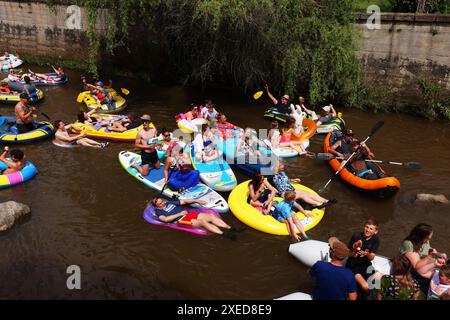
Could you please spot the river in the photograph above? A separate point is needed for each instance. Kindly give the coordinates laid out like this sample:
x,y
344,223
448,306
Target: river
x,y
87,211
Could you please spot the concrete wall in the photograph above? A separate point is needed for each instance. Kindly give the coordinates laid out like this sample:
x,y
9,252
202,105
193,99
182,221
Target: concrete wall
x,y
34,28
405,48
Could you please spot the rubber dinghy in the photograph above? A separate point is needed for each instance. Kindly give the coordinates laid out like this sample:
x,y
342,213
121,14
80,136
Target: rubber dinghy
x,y
311,251
12,179
254,218
54,79
91,102
100,131
216,174
382,188
334,124
155,180
10,134
150,217
11,96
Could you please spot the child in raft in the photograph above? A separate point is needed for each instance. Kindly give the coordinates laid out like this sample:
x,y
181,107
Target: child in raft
x,y
283,213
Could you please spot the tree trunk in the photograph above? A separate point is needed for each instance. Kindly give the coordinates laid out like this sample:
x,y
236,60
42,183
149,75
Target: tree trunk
x,y
421,6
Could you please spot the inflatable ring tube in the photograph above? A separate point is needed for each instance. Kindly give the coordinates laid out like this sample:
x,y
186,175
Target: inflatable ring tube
x,y
150,217
12,179
382,188
266,223
312,127
190,126
10,135
91,103
42,82
13,98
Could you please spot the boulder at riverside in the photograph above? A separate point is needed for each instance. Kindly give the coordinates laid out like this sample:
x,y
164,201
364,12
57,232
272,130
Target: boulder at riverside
x,y
10,212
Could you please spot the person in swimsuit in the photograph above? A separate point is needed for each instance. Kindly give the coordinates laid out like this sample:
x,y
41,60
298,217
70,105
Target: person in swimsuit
x,y
124,124
60,75
261,193
24,114
191,112
63,137
343,147
170,211
328,114
18,160
310,113
149,154
282,105
210,113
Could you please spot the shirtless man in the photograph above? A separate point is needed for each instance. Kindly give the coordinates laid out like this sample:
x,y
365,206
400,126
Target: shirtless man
x,y
24,114
63,137
17,163
149,154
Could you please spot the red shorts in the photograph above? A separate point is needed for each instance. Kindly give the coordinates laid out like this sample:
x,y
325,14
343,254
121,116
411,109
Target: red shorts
x,y
188,217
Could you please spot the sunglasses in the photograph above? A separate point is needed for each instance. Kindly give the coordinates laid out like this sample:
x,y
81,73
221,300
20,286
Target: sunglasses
x,y
167,135
146,121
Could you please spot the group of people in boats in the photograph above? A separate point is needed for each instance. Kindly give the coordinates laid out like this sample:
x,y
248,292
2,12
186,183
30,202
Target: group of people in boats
x,y
261,193
418,271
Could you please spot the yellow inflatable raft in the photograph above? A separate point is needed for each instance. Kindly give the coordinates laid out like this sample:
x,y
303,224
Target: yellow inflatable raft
x,y
101,132
91,102
266,223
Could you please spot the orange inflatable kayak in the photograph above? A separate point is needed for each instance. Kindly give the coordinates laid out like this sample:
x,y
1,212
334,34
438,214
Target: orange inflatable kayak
x,y
383,187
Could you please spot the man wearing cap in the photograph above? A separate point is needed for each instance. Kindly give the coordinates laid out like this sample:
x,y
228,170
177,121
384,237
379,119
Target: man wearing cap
x,y
343,146
333,280
282,105
328,113
149,154
24,114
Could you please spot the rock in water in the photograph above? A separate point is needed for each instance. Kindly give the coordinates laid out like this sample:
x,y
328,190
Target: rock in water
x,y
10,212
435,198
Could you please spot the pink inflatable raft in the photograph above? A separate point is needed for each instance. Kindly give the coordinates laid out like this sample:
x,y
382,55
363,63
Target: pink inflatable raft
x,y
150,216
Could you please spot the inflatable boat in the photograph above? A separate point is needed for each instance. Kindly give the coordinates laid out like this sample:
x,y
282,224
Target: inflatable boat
x,y
9,133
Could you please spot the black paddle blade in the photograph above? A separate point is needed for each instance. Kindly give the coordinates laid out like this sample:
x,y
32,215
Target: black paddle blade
x,y
376,127
413,165
45,115
325,156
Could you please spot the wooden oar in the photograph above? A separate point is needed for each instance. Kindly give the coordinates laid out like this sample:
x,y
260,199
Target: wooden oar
x,y
375,128
411,165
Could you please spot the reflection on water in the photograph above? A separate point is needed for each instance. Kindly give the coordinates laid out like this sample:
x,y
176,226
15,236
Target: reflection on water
x,y
86,210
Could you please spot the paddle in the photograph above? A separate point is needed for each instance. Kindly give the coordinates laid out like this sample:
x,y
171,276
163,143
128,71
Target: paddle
x,y
410,165
257,95
125,91
45,115
375,128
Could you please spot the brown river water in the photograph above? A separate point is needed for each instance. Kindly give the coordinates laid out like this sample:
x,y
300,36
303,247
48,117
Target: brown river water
x,y
87,211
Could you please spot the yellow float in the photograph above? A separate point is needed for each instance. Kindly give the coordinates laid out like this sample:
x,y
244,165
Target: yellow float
x,y
91,102
94,132
266,223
